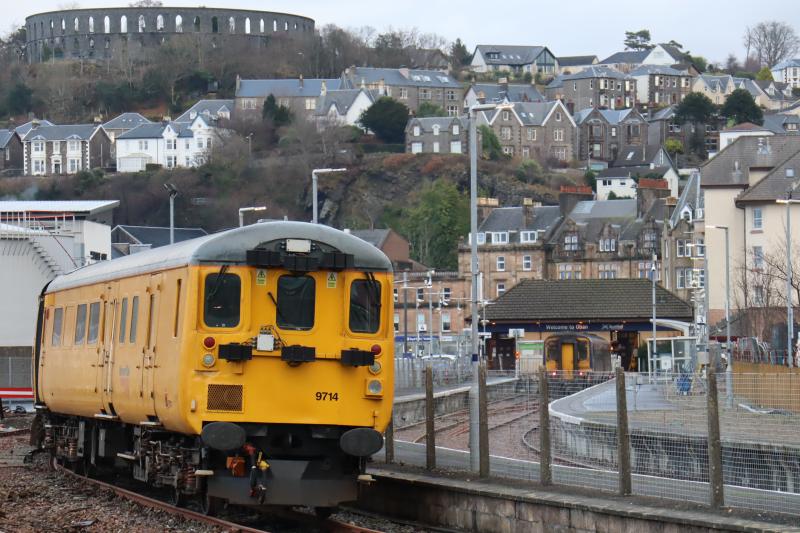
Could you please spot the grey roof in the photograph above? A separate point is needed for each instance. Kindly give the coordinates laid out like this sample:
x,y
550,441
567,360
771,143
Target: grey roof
x,y
427,123
88,207
657,212
774,185
341,99
125,121
355,76
629,57
591,216
717,83
777,123
286,88
576,61
586,299
612,116
644,70
81,132
210,109
531,113
731,167
5,136
627,172
23,129
689,198
513,219
427,58
676,53
597,71
225,247
641,155
496,92
159,236
795,62
155,130
666,113
510,55
376,237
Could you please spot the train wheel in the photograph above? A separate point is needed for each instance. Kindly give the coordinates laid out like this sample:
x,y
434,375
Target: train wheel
x,y
209,505
176,497
324,513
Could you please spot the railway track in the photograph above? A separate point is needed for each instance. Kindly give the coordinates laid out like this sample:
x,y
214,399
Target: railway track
x,y
299,518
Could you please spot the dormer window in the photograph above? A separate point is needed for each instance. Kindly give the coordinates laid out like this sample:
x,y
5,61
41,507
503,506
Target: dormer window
x,y
416,131
456,129
558,116
506,115
571,242
436,129
500,237
527,236
607,245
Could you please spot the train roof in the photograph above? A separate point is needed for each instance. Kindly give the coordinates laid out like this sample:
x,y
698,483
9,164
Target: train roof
x,y
225,247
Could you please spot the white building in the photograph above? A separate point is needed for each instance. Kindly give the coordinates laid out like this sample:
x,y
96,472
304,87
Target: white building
x,y
38,241
746,129
171,144
787,72
343,107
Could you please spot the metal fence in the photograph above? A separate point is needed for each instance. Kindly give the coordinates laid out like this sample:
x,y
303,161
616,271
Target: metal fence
x,y
449,371
730,440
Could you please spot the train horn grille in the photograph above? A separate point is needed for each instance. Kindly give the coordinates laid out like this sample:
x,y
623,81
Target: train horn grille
x,y
224,398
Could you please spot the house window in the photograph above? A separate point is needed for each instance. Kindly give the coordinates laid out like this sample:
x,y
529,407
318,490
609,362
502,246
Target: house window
x,y
420,294
607,271
403,93
499,237
421,324
758,257
558,116
172,144
455,147
645,270
527,236
424,94
74,165
501,289
531,134
758,220
452,111
680,248
501,263
142,145
446,325
571,242
505,133
38,146
73,146
567,271
508,150
446,293
608,245
613,131
680,277
451,95
758,295
38,166
416,131
395,294
456,129
436,147
481,238
171,161
396,322
200,143
526,152
558,135
436,129
527,263
311,103
506,114
700,247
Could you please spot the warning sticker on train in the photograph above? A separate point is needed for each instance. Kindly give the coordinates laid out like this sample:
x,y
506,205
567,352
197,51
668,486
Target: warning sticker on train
x,y
261,277
332,280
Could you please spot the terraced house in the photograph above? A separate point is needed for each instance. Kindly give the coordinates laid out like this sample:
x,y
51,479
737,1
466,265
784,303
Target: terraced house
x,y
595,86
660,85
437,135
411,87
516,59
534,130
298,94
56,150
603,132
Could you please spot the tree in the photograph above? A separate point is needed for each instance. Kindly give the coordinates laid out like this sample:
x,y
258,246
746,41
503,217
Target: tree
x,y
19,99
732,65
279,115
772,41
695,107
673,147
146,3
638,40
698,61
490,144
386,118
675,44
741,107
459,55
765,74
428,109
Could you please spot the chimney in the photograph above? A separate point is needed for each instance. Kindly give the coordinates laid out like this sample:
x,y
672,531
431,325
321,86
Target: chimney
x,y
323,89
671,202
485,207
527,212
301,81
569,196
34,124
648,191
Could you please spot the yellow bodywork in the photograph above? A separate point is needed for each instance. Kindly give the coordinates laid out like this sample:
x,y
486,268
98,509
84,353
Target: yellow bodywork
x,y
162,377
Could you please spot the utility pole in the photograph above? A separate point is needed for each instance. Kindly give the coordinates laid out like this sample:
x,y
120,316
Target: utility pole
x,y
429,284
653,275
173,192
405,313
789,300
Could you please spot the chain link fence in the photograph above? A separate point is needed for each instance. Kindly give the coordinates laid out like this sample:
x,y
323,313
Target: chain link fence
x,y
752,459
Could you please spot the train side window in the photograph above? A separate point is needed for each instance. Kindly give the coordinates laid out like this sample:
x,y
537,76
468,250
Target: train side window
x,y
80,324
583,349
151,312
123,319
177,308
222,300
296,299
94,323
58,322
134,318
365,306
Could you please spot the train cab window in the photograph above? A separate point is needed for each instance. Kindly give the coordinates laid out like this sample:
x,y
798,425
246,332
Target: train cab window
x,y
296,299
58,322
80,324
222,300
123,320
582,349
134,318
94,323
365,306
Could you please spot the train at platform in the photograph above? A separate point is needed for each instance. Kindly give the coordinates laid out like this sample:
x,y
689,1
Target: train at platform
x,y
252,366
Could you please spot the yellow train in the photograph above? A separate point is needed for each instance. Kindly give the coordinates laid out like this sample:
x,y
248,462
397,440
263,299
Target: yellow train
x,y
252,366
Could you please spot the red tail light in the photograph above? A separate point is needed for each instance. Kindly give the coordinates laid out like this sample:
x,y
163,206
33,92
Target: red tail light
x,y
376,349
209,342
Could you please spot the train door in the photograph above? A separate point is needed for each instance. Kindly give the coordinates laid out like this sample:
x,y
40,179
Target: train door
x,y
149,352
505,351
567,356
109,341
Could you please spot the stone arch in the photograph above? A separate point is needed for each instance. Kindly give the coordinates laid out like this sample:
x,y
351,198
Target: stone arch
x,y
142,24
178,24
247,25
91,24
214,25
52,27
76,45
274,24
295,26
261,26
106,24
123,24
41,30
285,25
160,22
108,43
231,25
77,24
91,43
63,25
197,23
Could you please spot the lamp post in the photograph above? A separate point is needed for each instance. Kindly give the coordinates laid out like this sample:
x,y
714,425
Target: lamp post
x,y
728,351
653,277
314,173
243,210
173,192
250,146
789,304
429,286
474,425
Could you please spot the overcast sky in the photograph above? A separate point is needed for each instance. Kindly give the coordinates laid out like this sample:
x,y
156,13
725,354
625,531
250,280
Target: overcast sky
x,y
712,28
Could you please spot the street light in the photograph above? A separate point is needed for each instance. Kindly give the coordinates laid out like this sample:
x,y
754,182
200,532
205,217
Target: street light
x,y
653,277
314,207
250,146
728,352
243,210
173,192
474,425
789,309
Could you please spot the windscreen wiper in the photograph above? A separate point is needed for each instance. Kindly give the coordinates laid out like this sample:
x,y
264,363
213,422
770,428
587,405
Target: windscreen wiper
x,y
217,283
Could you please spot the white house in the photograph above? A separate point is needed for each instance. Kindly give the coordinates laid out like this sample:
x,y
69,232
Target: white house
x,y
171,144
623,181
787,72
746,129
343,107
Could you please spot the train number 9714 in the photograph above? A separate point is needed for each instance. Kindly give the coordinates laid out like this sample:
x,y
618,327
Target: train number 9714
x,y
327,396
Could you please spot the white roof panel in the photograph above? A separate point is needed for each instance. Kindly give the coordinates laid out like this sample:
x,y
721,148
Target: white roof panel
x,y
58,206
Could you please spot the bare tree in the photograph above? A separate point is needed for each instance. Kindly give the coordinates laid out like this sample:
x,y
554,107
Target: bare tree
x,y
772,41
732,65
146,3
759,296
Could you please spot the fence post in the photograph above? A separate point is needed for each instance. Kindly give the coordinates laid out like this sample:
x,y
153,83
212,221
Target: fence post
x,y
623,436
389,441
483,423
545,459
714,444
430,437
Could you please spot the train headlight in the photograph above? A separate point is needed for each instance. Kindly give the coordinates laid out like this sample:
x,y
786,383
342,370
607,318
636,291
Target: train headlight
x,y
375,368
374,387
209,360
